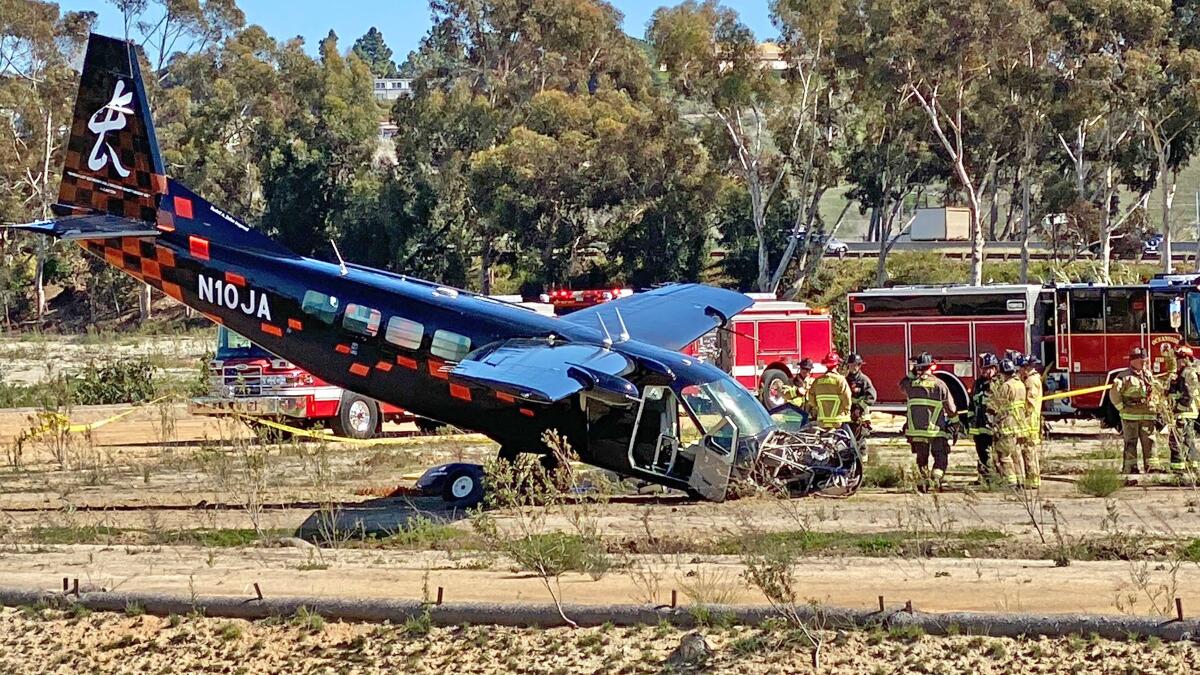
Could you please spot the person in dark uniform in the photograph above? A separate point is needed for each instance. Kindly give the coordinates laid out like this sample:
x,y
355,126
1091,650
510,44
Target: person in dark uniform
x,y
978,425
930,408
862,397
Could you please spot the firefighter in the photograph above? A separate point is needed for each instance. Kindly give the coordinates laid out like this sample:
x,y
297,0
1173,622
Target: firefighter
x,y
930,408
1006,406
1134,396
1031,441
862,397
829,396
797,392
978,425
1183,392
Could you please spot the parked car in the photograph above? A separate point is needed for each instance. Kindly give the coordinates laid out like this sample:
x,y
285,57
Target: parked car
x,y
833,245
1151,244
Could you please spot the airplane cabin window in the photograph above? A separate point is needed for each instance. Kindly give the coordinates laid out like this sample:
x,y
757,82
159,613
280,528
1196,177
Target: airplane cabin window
x,y
404,333
361,320
320,305
449,346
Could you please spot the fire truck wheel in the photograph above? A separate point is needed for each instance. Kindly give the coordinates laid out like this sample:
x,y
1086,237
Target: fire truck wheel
x,y
776,379
357,417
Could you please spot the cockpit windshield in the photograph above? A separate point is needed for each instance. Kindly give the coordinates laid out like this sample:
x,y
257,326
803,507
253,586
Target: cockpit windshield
x,y
725,397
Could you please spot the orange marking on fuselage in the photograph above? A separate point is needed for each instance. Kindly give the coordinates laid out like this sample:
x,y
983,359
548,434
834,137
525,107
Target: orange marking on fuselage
x,y
384,366
235,279
359,369
435,369
198,247
342,349
295,324
271,329
406,362
460,392
507,398
183,207
165,256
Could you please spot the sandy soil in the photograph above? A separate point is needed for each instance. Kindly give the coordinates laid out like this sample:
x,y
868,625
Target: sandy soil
x,y
937,584
51,641
163,471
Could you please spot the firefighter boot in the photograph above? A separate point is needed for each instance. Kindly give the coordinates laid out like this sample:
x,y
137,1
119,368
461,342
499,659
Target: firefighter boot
x,y
938,476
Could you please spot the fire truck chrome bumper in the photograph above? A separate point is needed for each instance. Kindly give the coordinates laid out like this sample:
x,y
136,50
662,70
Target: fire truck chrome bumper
x,y
288,406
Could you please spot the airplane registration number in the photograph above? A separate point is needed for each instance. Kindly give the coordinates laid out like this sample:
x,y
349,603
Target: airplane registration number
x,y
248,301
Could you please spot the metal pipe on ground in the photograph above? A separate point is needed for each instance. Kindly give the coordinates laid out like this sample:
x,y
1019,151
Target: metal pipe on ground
x,y
1117,627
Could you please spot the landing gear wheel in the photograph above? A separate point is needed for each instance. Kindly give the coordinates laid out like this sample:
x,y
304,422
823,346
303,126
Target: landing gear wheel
x,y
358,417
773,382
463,489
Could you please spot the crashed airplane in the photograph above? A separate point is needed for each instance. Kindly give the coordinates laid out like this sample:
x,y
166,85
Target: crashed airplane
x,y
609,378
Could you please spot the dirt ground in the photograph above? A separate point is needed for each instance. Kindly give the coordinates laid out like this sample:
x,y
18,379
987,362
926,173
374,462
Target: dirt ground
x,y
105,508
62,642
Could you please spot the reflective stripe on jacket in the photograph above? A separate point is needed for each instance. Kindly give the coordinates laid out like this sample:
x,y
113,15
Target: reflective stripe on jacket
x,y
929,406
829,399
1007,406
1132,394
1033,405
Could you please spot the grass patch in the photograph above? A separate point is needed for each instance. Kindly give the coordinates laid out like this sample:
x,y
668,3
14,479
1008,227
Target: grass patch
x,y
229,632
1191,552
103,534
1100,481
423,534
884,476
308,620
874,544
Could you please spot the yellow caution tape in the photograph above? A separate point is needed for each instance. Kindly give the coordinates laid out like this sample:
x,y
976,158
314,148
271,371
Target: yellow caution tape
x,y
56,422
1075,392
92,426
329,436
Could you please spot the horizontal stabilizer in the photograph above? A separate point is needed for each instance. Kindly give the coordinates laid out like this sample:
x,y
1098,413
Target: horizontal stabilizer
x,y
545,372
90,226
670,317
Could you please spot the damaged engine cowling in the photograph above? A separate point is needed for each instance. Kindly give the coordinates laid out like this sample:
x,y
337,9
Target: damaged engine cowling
x,y
809,461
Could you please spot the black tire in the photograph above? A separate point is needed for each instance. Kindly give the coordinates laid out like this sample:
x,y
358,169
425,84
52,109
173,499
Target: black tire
x,y
463,489
769,376
357,417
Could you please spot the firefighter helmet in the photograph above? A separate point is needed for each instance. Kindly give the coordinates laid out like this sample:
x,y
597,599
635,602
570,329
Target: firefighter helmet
x,y
1007,366
1137,354
805,364
988,360
854,359
924,361
831,360
1032,361
1185,350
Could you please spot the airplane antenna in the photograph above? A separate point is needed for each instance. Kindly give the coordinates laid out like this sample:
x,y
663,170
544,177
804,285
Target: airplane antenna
x,y
341,263
621,320
608,341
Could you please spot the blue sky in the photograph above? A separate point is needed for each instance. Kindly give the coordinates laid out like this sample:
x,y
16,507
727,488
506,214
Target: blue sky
x,y
403,22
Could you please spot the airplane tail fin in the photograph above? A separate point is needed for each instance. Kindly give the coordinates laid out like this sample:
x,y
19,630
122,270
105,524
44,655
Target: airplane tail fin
x,y
113,165
114,183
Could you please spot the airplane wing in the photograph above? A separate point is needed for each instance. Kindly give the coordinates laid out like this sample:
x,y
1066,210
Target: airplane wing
x,y
543,371
90,226
670,317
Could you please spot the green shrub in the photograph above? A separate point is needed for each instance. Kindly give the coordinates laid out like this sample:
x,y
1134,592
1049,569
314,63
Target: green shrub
x,y
1100,481
125,381
883,476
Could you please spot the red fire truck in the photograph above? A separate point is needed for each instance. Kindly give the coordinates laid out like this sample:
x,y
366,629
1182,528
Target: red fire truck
x,y
246,379
1082,332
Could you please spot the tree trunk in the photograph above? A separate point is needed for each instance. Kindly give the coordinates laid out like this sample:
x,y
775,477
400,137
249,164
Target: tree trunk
x,y
1026,171
1106,227
759,215
485,267
976,240
1167,184
144,302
